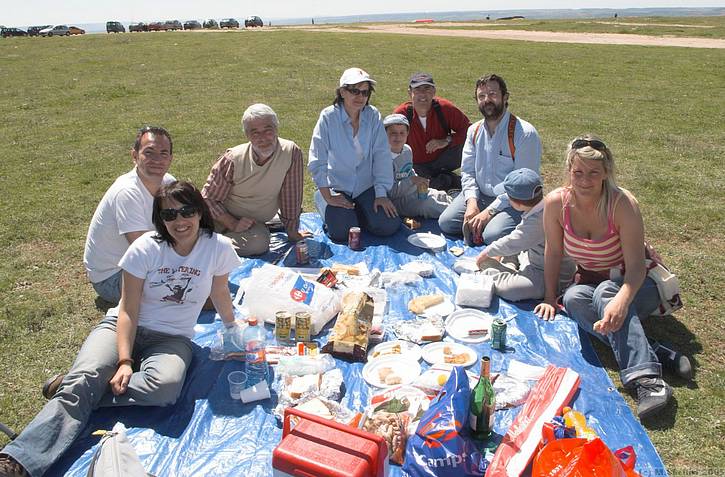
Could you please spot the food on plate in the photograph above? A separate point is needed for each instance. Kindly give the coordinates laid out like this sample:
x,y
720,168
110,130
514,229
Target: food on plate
x,y
431,333
456,251
395,349
418,304
316,407
349,269
451,357
349,336
298,385
388,376
391,427
478,332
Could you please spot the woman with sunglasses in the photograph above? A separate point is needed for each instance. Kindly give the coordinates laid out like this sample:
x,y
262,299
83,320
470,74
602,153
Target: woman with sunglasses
x,y
599,226
138,355
351,164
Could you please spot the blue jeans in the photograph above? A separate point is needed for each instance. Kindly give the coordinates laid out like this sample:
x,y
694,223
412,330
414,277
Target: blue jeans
x,y
338,220
163,360
110,288
585,304
451,220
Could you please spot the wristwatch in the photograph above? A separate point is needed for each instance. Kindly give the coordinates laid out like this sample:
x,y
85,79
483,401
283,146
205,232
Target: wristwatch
x,y
449,139
492,212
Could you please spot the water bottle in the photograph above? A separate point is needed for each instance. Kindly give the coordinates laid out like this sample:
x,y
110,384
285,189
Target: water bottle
x,y
254,342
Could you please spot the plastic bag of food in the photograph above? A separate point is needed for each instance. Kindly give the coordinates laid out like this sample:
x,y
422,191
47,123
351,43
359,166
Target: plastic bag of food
x,y
272,288
474,289
301,365
349,336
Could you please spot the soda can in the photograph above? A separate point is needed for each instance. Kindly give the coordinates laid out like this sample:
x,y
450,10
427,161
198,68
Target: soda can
x,y
303,321
353,238
422,191
301,252
282,326
498,334
327,278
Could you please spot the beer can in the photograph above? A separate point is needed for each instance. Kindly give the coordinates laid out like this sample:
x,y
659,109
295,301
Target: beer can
x,y
303,321
327,278
353,238
282,326
301,252
498,334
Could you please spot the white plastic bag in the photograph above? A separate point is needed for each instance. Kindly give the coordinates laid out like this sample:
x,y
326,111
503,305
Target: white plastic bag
x,y
272,289
116,456
474,289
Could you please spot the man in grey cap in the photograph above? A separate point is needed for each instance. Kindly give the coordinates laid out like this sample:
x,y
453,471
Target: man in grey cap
x,y
437,132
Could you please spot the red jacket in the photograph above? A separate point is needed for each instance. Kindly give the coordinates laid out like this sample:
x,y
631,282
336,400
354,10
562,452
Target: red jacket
x,y
418,138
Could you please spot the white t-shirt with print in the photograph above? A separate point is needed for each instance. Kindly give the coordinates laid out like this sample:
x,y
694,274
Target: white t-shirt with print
x,y
127,206
175,288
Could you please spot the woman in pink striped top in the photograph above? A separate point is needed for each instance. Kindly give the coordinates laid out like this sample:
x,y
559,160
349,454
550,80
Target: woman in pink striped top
x,y
599,225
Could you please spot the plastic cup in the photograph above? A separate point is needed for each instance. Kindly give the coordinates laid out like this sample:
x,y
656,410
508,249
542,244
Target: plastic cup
x,y
257,392
237,383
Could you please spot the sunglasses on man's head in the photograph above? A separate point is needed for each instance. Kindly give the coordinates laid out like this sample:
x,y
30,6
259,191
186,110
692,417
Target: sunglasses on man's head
x,y
357,91
593,143
169,215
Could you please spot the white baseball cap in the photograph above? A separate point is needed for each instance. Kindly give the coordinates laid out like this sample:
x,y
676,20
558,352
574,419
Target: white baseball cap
x,y
355,76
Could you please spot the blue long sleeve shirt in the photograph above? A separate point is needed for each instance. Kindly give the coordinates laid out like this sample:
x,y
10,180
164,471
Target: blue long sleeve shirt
x,y
336,161
486,159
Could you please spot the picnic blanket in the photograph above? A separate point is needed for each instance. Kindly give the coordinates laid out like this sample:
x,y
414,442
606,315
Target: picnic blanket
x,y
206,433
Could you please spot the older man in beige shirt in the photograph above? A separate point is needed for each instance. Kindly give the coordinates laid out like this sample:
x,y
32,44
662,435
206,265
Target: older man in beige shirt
x,y
252,182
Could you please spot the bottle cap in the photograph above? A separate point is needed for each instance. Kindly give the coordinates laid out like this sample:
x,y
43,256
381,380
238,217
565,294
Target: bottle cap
x,y
252,321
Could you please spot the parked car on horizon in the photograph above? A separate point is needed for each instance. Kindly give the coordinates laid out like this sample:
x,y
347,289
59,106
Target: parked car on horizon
x,y
35,30
115,27
229,23
6,32
253,21
173,25
140,26
74,30
58,30
211,23
156,26
192,25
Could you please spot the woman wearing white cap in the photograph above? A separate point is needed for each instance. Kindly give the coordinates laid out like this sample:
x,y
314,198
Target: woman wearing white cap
x,y
351,164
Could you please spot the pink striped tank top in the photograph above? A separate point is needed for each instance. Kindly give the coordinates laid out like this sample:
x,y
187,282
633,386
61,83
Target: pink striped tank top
x,y
594,255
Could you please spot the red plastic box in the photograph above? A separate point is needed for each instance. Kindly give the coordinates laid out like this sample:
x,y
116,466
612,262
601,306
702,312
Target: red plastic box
x,y
318,447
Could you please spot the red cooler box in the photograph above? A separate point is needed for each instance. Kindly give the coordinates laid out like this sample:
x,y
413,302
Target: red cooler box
x,y
318,447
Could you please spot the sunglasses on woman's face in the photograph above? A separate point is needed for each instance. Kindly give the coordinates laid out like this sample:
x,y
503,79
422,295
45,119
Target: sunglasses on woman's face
x,y
357,91
593,143
169,215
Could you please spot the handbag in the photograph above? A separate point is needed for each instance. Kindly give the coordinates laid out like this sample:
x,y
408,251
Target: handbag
x,y
668,286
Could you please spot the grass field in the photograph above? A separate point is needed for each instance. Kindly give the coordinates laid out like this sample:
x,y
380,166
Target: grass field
x,y
701,27
71,107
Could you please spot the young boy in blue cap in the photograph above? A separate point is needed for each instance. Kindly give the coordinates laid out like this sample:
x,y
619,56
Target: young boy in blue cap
x,y
525,193
404,193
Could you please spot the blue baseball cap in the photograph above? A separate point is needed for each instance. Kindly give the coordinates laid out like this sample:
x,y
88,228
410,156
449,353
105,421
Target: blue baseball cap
x,y
522,184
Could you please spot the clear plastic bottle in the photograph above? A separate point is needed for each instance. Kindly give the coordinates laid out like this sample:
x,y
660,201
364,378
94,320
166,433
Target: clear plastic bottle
x,y
255,337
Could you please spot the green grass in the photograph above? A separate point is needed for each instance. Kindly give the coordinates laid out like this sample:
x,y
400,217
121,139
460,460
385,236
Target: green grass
x,y
702,27
71,107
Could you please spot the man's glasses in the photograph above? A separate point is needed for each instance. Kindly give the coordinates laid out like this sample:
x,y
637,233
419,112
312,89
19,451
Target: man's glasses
x,y
593,143
169,215
358,92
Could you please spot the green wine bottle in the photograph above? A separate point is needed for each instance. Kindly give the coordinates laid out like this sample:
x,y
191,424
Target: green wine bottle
x,y
480,417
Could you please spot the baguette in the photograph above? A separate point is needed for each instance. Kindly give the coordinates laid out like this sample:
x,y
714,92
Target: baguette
x,y
419,304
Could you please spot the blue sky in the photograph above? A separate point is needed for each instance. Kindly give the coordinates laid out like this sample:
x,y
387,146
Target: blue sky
x,y
91,11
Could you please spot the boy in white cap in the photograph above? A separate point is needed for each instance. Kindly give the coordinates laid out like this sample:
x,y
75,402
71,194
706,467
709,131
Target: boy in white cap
x,y
524,192
410,193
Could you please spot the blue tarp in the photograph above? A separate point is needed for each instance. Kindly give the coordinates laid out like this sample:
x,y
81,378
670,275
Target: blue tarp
x,y
207,434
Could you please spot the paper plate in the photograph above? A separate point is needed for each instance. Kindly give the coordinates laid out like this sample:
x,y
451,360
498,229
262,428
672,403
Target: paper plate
x,y
461,321
398,348
437,353
406,368
436,377
427,240
441,309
